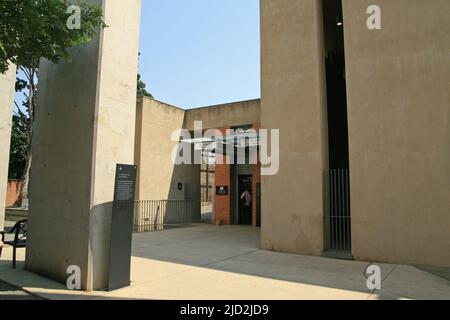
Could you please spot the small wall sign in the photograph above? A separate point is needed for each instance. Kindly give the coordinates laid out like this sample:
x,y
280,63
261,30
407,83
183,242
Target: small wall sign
x,y
222,190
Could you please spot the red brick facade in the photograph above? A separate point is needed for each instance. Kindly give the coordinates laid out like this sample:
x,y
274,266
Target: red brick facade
x,y
223,204
13,192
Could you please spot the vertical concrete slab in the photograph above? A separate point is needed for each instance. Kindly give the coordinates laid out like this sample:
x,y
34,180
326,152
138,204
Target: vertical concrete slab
x,y
294,101
158,175
85,124
399,127
7,84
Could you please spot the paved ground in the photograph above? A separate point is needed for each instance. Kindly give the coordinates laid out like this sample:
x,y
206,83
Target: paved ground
x,y
225,262
9,292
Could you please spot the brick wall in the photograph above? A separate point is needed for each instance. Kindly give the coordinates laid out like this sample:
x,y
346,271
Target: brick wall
x,y
222,205
13,191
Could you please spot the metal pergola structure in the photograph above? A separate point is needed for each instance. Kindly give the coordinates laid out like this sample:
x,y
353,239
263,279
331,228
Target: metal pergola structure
x,y
210,146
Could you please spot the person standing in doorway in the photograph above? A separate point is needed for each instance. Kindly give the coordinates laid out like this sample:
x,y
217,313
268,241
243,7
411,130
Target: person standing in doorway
x,y
246,199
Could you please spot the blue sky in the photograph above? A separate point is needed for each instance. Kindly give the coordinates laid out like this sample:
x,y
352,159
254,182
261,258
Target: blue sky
x,y
200,52
197,53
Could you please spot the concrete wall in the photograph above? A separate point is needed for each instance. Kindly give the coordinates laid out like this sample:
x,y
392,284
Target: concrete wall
x,y
158,176
155,122
7,83
398,81
293,100
225,115
84,126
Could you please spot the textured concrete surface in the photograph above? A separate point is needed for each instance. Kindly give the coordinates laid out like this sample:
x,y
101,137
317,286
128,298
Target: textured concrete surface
x,y
234,114
210,262
158,177
84,126
398,111
398,114
293,100
7,82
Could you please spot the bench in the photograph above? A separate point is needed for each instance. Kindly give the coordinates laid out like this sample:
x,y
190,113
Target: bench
x,y
19,232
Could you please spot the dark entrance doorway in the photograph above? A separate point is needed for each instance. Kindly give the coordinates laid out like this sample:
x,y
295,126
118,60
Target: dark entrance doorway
x,y
245,183
337,221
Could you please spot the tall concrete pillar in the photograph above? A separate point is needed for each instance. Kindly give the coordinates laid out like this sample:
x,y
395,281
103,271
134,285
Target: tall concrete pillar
x,y
84,126
7,83
294,101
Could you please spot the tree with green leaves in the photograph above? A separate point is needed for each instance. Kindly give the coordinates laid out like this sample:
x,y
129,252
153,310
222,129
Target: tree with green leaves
x,y
35,29
141,91
19,148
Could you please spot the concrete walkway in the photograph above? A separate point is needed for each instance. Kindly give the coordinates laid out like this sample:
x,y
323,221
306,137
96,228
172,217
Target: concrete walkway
x,y
9,292
210,262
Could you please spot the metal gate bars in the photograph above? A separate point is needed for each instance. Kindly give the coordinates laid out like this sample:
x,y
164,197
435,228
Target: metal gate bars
x,y
337,221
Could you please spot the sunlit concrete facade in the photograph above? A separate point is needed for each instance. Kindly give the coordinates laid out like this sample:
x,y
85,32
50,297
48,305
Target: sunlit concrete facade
x,y
398,101
293,101
398,120
158,177
84,126
7,85
397,95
